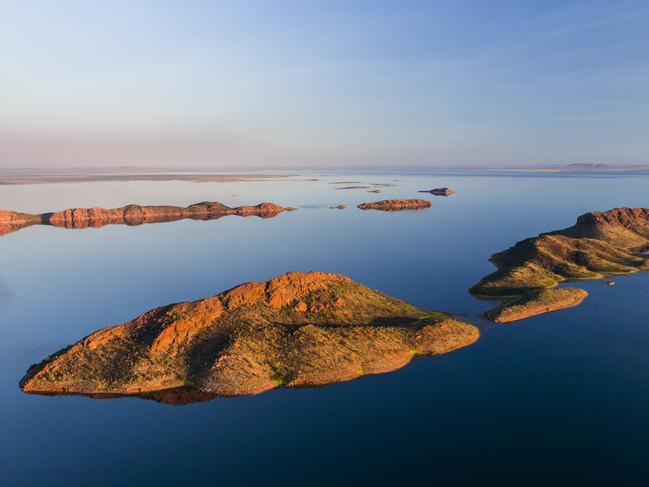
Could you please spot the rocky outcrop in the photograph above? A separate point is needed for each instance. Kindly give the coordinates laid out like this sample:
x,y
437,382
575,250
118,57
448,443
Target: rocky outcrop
x,y
536,303
396,205
298,329
338,207
10,221
600,244
133,215
439,191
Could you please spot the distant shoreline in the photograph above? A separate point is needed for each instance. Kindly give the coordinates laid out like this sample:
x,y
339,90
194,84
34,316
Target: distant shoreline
x,y
66,176
19,176
571,169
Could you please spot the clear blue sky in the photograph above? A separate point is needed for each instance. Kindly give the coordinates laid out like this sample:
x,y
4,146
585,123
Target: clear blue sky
x,y
323,83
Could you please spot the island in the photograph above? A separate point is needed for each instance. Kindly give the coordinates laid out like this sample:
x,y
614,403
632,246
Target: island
x,y
439,191
396,205
11,221
599,245
296,330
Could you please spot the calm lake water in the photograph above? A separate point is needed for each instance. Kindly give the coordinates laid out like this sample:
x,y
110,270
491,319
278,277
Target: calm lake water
x,y
557,399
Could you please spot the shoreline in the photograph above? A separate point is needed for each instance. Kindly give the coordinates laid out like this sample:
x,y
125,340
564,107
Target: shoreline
x,y
13,178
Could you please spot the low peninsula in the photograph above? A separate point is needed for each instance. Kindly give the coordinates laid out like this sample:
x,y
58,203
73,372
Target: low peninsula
x,y
11,221
297,330
599,245
396,205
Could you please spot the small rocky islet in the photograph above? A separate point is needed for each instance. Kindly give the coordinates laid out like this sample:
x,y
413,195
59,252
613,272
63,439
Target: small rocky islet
x,y
396,205
599,245
11,221
439,191
300,329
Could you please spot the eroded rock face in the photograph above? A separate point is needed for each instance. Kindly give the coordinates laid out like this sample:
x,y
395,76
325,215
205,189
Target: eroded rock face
x,y
298,329
396,205
600,244
132,215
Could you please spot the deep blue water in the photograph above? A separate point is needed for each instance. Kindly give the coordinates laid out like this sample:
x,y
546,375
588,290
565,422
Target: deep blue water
x,y
557,399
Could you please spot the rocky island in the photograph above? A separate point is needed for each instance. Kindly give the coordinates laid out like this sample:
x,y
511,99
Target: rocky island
x,y
439,191
599,245
296,330
132,215
396,205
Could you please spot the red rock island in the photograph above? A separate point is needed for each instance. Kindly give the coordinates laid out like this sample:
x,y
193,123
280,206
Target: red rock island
x,y
132,215
295,330
396,205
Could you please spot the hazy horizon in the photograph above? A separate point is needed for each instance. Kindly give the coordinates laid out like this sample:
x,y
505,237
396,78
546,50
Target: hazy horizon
x,y
242,85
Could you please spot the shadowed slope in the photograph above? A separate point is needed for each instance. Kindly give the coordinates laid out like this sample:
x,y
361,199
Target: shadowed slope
x,y
298,329
600,244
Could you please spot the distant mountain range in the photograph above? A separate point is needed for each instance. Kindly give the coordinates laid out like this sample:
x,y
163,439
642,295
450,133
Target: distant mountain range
x,y
581,167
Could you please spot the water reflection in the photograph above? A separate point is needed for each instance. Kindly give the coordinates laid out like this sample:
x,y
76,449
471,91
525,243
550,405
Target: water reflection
x,y
175,396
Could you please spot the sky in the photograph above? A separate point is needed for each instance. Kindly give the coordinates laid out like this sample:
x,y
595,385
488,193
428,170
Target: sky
x,y
311,83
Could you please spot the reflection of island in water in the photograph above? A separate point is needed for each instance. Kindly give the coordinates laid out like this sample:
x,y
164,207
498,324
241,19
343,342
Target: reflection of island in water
x,y
173,396
296,330
600,244
10,221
